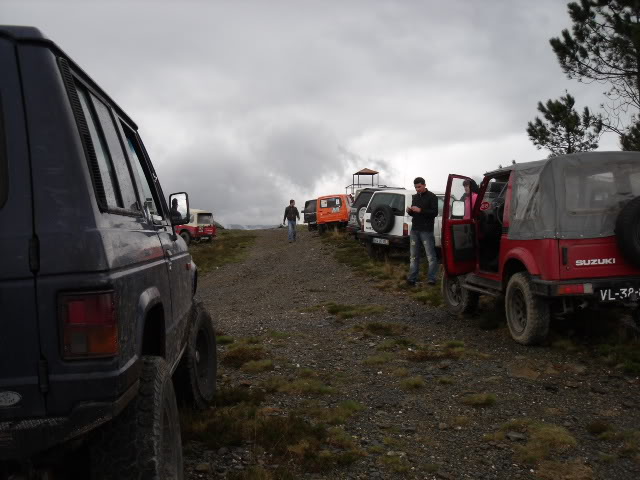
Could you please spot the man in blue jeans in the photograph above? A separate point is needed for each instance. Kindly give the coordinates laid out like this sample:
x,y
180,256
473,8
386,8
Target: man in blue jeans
x,y
290,214
423,211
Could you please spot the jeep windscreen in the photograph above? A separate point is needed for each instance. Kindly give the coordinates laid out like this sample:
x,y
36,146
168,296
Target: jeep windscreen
x,y
310,206
205,219
362,200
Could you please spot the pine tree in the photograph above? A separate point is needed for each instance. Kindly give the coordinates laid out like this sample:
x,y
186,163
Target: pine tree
x,y
630,139
604,47
563,129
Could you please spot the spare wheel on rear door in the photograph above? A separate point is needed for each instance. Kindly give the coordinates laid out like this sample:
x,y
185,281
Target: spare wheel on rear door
x,y
628,231
382,218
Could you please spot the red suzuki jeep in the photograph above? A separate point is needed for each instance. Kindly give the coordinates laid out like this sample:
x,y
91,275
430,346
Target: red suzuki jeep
x,y
552,236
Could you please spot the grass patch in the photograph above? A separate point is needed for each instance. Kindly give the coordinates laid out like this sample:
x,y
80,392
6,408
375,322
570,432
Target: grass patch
x,y
378,359
400,372
257,366
242,354
413,383
278,335
224,340
306,386
336,415
350,311
446,380
385,329
230,246
480,400
544,439
627,355
398,464
574,470
431,296
460,421
598,427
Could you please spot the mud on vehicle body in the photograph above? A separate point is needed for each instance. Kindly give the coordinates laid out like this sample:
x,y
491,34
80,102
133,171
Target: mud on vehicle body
x,y
96,289
562,234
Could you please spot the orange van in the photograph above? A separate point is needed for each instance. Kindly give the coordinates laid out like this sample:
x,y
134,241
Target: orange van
x,y
333,211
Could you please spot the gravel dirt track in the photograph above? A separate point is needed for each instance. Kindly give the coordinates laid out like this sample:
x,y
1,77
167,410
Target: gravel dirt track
x,y
431,431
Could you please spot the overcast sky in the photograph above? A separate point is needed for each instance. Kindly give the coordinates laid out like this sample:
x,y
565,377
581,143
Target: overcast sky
x,y
246,104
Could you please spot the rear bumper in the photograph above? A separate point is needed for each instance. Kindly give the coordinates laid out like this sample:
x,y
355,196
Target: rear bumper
x,y
601,289
394,241
24,438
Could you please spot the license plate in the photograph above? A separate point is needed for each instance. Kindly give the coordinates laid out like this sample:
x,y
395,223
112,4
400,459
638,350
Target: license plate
x,y
624,293
381,241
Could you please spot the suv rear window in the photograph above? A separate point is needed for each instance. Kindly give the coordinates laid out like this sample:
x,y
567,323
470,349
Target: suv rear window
x,y
205,218
394,200
310,206
4,170
330,202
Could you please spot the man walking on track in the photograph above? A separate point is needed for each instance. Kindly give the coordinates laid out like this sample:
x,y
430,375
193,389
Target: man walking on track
x,y
290,214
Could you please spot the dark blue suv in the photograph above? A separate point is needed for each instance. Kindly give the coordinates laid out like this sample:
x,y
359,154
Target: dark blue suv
x,y
97,314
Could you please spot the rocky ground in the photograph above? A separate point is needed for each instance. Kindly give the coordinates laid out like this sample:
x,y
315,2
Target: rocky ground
x,y
404,390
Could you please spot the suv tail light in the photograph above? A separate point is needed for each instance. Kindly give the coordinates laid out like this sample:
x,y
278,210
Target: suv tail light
x,y
575,289
89,325
405,229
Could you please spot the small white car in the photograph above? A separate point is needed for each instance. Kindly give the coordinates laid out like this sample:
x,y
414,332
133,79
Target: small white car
x,y
387,224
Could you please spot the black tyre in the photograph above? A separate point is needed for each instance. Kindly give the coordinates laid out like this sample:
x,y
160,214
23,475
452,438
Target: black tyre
x,y
527,315
195,379
458,299
382,218
143,442
186,236
628,231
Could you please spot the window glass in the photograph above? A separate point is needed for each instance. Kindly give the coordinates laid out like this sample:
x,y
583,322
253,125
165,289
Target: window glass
x,y
205,219
107,172
4,167
145,186
115,147
379,199
362,199
440,206
330,202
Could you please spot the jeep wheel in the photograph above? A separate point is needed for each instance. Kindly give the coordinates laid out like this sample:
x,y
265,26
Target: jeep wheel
x,y
144,440
195,379
186,236
527,314
628,231
458,299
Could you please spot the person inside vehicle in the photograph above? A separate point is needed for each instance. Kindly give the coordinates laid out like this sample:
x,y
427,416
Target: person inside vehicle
x,y
423,211
176,216
469,197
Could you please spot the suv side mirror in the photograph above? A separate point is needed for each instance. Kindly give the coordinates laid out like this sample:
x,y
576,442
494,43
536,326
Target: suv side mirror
x,y
457,210
179,208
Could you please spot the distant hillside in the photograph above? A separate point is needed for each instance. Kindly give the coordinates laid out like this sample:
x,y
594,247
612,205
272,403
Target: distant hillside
x,y
251,227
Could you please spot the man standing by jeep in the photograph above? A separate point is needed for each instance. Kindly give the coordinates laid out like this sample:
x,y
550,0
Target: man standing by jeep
x,y
423,210
290,214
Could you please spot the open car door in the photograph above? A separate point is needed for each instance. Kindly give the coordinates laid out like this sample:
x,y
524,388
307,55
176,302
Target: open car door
x,y
459,242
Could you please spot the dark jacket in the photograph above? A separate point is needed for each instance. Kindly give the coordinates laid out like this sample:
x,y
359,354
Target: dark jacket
x,y
428,203
290,213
